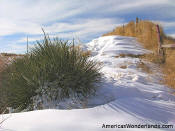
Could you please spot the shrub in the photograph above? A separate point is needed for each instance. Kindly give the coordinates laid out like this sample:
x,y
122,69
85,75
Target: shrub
x,y
53,70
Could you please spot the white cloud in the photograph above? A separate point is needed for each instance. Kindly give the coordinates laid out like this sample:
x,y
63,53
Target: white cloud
x,y
30,39
80,28
13,48
39,11
29,16
128,5
89,25
167,24
8,28
69,18
172,35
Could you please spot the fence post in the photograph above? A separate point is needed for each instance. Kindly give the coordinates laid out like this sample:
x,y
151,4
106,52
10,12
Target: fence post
x,y
123,29
160,48
27,45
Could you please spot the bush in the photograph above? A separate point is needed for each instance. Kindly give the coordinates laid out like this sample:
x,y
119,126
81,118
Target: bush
x,y
52,71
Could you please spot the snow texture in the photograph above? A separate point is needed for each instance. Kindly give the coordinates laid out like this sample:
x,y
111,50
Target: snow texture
x,y
125,96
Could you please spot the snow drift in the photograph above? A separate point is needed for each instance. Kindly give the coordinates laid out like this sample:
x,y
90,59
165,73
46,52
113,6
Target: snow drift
x,y
125,95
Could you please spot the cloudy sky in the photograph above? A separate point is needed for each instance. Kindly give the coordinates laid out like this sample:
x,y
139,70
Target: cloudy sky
x,y
79,19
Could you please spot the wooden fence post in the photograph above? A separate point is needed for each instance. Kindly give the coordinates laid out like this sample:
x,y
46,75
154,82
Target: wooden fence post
x,y
160,48
27,45
159,39
123,29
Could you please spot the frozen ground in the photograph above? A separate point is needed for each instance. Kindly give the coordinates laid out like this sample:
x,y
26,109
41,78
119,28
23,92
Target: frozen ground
x,y
125,96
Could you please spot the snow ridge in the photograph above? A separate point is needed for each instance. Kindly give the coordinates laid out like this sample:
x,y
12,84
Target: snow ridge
x,y
125,95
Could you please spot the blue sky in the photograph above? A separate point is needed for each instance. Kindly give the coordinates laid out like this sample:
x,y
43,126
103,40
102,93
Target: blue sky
x,y
79,19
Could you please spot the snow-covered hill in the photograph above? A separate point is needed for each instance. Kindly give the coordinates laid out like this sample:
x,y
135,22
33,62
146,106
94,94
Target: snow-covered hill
x,y
126,95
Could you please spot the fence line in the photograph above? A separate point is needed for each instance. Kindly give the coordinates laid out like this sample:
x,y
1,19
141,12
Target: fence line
x,y
161,45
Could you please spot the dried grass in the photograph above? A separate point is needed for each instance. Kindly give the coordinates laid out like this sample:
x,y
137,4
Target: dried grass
x,y
123,66
144,67
146,34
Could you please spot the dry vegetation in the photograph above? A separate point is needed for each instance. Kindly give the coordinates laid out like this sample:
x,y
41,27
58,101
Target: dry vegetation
x,y
11,54
144,67
1,63
145,32
52,71
129,55
123,66
5,58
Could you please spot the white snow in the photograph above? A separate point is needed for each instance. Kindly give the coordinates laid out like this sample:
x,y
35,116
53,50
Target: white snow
x,y
125,96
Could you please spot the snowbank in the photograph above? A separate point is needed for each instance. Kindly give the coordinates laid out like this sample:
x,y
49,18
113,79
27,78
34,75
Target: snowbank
x,y
125,96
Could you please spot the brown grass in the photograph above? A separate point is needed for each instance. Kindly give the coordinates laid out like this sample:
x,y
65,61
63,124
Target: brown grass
x,y
84,53
146,34
1,63
4,60
145,68
123,66
128,55
11,54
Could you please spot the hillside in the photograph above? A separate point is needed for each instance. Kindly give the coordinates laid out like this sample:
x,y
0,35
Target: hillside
x,y
146,33
128,94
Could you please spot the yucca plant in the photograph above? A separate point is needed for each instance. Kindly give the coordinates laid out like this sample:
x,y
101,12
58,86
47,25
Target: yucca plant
x,y
53,70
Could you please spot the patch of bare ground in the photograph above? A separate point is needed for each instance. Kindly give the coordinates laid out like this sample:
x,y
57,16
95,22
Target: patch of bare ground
x,y
144,67
128,55
123,66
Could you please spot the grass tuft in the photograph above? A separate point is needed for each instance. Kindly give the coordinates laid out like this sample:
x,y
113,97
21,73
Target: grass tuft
x,y
53,70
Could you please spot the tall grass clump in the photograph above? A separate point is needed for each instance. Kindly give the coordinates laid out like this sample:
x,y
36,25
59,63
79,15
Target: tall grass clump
x,y
53,70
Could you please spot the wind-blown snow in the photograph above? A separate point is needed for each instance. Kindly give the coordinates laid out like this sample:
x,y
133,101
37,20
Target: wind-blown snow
x,y
125,96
